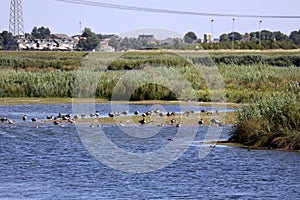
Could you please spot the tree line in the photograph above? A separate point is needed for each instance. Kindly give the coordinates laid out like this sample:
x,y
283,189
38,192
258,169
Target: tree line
x,y
90,40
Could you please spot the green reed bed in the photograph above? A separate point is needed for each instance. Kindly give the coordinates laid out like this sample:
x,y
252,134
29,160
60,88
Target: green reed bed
x,y
272,122
240,83
39,60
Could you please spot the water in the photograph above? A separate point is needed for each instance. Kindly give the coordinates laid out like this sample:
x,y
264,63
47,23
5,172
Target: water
x,y
51,162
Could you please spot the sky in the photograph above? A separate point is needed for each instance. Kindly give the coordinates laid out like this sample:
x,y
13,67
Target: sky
x,y
62,17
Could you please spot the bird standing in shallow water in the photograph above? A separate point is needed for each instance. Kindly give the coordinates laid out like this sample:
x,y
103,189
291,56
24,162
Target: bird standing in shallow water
x,y
201,122
143,121
172,121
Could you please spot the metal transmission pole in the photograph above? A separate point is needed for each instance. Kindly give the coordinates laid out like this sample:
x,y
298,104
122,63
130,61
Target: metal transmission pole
x,y
232,45
16,23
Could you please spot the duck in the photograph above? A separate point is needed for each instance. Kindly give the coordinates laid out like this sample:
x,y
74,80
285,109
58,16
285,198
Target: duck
x,y
65,118
24,117
3,119
143,121
10,121
56,122
34,119
125,112
161,114
201,122
136,112
121,123
172,121
112,115
217,122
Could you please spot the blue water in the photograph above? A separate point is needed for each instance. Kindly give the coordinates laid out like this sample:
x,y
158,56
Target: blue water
x,y
51,162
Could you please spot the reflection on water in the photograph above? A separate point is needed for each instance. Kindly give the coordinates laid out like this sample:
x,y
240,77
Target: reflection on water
x,y
51,162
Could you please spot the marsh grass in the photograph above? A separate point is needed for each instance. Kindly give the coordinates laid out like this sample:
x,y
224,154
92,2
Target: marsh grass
x,y
241,83
54,74
271,122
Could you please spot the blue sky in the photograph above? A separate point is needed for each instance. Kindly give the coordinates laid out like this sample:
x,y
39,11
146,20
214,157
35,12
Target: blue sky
x,y
64,18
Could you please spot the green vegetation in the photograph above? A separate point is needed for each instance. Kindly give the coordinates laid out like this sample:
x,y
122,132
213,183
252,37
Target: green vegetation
x,y
52,74
37,61
272,122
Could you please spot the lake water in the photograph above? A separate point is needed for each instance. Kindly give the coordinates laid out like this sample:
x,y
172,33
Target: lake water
x,y
53,162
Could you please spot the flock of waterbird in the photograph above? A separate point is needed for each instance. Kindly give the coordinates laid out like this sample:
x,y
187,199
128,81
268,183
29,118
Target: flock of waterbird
x,y
71,119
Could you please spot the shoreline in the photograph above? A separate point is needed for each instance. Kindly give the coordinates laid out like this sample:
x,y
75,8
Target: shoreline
x,y
35,100
250,148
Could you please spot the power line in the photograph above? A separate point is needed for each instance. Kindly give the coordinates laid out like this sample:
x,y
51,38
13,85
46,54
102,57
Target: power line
x,y
178,12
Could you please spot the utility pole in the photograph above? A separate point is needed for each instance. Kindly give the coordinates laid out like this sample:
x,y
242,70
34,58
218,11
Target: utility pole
x,y
211,32
232,45
16,23
259,33
80,27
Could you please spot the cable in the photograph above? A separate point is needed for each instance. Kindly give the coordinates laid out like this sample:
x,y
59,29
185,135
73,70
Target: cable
x,y
179,12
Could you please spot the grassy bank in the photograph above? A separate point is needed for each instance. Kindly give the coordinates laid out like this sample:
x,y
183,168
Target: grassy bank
x,y
271,122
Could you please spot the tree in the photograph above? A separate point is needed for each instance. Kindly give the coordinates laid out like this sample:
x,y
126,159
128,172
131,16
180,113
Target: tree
x,y
237,36
88,33
278,36
254,36
89,42
266,35
224,38
41,33
7,41
190,37
295,37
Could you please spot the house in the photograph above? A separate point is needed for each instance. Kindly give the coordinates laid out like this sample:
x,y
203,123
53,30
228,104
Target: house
x,y
45,44
26,44
147,38
64,42
208,38
104,46
57,42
